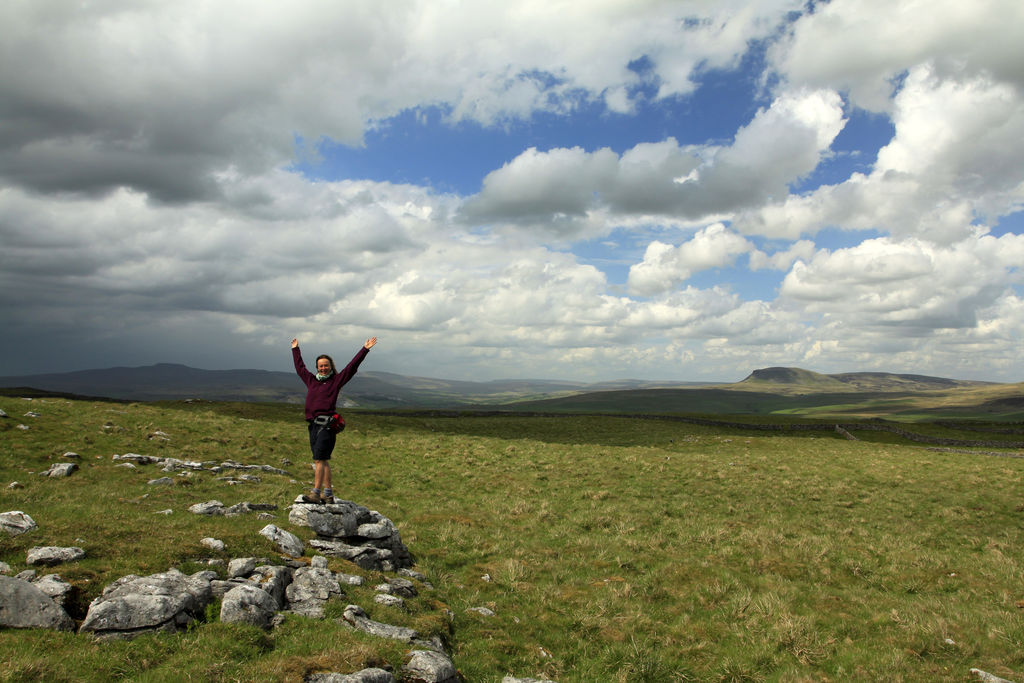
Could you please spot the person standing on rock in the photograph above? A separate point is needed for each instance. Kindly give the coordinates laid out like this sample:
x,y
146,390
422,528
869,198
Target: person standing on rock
x,y
322,391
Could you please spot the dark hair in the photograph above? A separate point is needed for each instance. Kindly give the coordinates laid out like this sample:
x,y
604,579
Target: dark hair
x,y
329,360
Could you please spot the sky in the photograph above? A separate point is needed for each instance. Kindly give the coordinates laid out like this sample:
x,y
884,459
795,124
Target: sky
x,y
557,189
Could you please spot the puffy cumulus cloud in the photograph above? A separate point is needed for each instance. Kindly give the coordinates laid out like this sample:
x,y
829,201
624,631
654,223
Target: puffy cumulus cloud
x,y
782,260
160,97
559,189
954,160
664,266
981,36
913,286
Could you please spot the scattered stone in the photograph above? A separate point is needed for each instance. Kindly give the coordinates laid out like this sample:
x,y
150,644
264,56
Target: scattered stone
x,y
162,481
402,587
138,459
71,455
427,666
5,568
27,575
364,676
350,579
389,600
274,579
3,414
23,428
248,604
241,567
986,677
165,602
355,617
210,507
15,485
23,605
212,544
16,522
32,413
55,587
52,555
244,507
509,678
60,469
310,589
285,541
164,512
128,465
482,610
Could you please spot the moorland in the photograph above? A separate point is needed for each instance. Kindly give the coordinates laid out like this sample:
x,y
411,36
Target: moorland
x,y
651,544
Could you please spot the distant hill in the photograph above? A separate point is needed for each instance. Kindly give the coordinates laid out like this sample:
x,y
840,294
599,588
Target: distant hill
x,y
790,379
777,390
166,381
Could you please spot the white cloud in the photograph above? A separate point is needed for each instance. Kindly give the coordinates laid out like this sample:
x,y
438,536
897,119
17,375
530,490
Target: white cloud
x,y
861,46
556,190
912,285
953,160
664,266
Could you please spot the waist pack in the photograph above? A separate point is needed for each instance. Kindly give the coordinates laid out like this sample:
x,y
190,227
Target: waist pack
x,y
334,422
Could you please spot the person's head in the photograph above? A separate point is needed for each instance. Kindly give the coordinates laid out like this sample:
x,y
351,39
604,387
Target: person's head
x,y
325,364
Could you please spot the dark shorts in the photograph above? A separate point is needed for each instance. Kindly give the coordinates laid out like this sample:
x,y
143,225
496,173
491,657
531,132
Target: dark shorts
x,y
321,441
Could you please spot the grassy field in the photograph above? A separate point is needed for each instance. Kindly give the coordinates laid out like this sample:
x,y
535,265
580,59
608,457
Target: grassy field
x,y
614,549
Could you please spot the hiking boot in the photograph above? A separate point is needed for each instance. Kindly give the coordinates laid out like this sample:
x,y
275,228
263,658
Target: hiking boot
x,y
314,499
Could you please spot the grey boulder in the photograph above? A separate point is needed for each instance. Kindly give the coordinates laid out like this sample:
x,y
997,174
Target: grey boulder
x,y
23,605
52,555
248,604
132,605
16,522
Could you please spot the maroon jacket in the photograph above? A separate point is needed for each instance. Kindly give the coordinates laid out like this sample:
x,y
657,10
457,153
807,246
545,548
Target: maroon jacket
x,y
322,397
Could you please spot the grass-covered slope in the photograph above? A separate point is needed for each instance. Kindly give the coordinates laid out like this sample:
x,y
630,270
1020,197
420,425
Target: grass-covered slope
x,y
610,549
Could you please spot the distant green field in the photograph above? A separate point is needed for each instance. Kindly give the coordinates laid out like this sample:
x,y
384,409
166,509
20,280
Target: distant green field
x,y
615,548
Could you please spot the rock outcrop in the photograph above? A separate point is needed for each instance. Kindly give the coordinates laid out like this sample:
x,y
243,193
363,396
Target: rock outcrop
x,y
353,532
133,605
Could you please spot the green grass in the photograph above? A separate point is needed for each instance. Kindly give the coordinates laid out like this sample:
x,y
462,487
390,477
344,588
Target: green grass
x,y
617,549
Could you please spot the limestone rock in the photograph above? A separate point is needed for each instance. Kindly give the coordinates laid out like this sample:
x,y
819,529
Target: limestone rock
x,y
355,617
213,544
427,666
286,542
16,522
389,600
60,469
367,557
5,568
310,589
248,604
210,507
274,579
353,532
168,601
23,605
56,588
509,678
241,566
52,555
